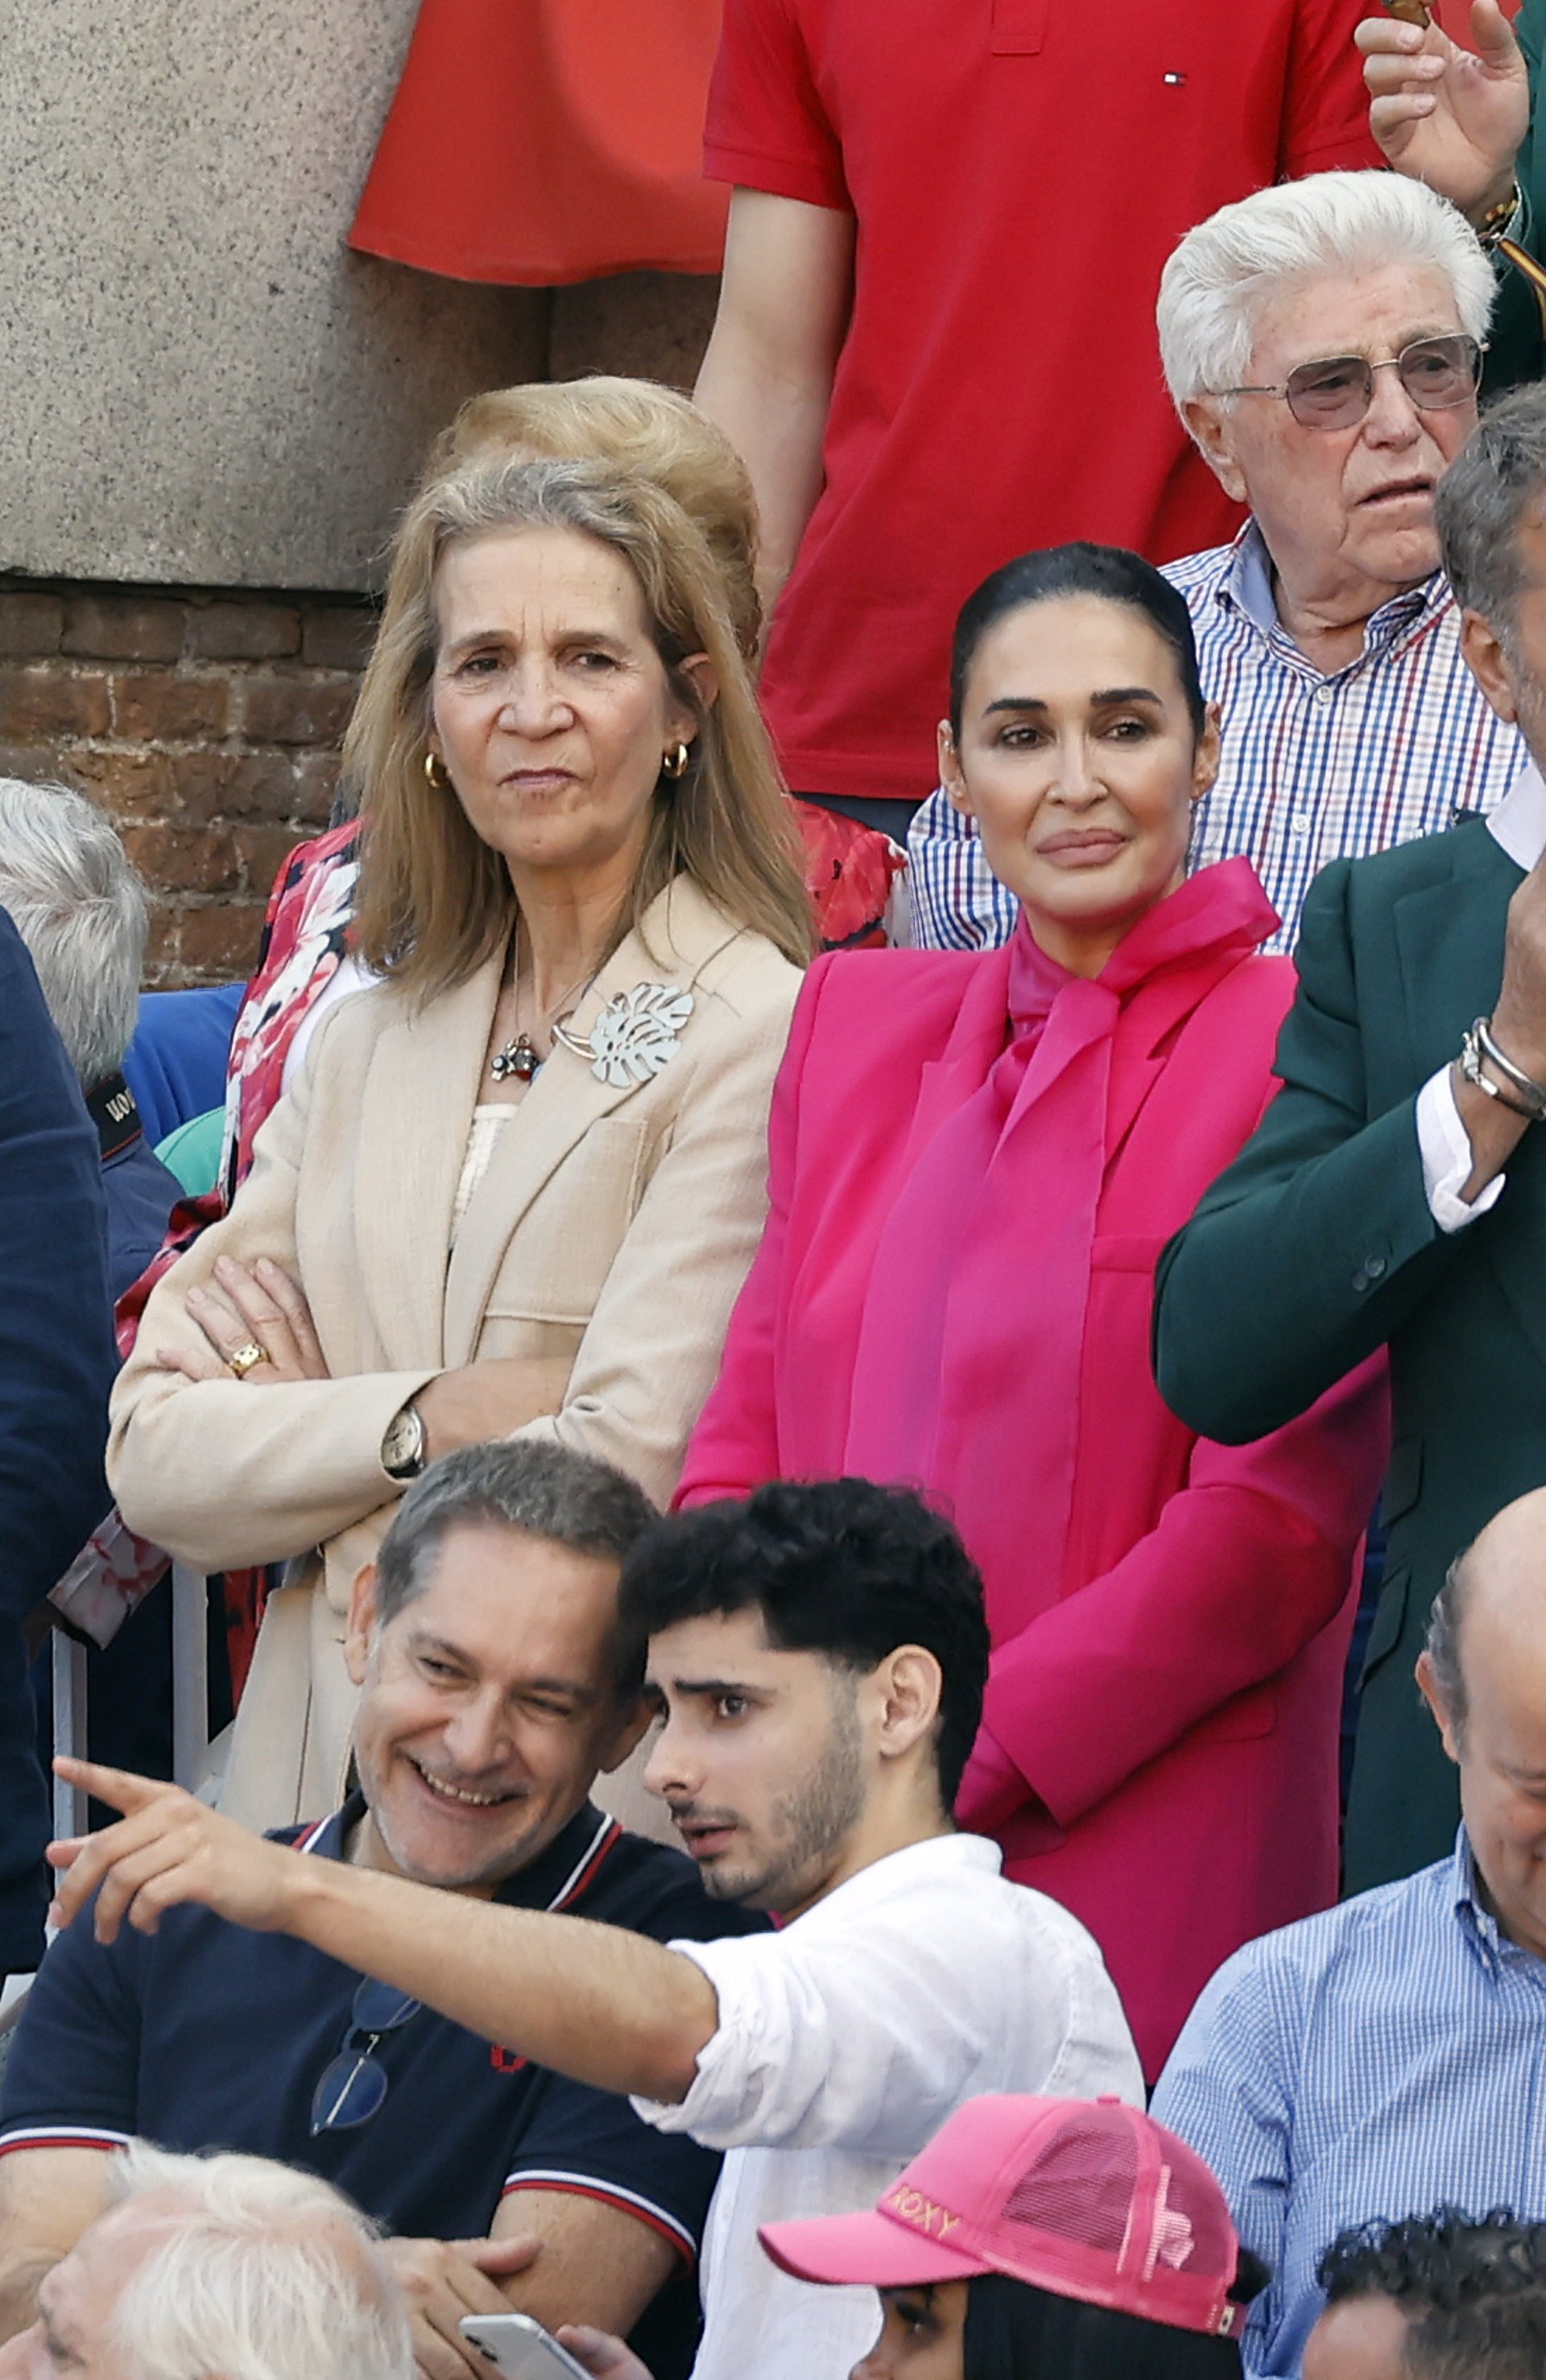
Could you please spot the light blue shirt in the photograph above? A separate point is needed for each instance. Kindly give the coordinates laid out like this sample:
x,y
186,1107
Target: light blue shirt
x,y
1382,2059
1396,744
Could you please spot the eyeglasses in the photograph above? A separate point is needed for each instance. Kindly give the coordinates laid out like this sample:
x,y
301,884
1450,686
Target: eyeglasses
x,y
354,2085
1338,392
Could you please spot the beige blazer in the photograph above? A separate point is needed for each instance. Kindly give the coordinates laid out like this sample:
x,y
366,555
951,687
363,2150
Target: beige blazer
x,y
613,1226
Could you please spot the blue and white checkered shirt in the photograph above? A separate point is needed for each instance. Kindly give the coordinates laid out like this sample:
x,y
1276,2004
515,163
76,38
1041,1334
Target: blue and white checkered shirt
x,y
1382,2059
1314,769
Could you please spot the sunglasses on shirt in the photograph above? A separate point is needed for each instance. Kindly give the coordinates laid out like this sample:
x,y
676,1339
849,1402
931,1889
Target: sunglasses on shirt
x,y
1337,392
354,2085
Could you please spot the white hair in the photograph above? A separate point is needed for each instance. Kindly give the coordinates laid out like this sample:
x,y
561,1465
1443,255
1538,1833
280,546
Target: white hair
x,y
263,2273
1226,272
81,911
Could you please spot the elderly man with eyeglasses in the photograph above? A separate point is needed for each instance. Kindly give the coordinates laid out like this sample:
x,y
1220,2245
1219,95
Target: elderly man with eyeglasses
x,y
1322,343
495,1686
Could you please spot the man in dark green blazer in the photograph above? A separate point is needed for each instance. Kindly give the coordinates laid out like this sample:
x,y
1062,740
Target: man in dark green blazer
x,y
1393,1196
1465,122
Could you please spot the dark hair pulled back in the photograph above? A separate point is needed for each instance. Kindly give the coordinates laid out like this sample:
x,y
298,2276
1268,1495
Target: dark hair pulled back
x,y
1109,572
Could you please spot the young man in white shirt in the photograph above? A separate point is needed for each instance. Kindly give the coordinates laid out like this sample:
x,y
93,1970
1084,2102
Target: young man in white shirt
x,y
818,1655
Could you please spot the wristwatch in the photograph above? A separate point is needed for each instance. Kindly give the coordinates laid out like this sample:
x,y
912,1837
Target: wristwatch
x,y
403,1444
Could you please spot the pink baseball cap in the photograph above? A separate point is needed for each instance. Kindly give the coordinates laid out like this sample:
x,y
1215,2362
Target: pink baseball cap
x,y
1086,2198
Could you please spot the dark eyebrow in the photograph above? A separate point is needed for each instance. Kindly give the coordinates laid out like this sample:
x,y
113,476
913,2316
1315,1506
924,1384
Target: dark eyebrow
x,y
424,1640
710,1686
1106,696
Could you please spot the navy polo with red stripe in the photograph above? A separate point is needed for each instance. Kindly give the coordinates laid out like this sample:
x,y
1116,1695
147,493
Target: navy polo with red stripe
x,y
204,2035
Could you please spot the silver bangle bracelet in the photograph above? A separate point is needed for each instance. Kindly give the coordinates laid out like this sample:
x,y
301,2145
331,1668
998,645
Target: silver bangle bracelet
x,y
1470,1066
1532,1094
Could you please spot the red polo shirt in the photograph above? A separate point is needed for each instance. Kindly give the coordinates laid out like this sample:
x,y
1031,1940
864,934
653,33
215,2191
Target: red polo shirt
x,y
1019,171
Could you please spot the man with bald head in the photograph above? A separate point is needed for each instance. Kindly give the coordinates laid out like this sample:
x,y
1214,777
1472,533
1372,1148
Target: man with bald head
x,y
1385,2058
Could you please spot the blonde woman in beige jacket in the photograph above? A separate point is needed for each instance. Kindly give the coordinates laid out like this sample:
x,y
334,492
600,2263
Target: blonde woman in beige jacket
x,y
517,1182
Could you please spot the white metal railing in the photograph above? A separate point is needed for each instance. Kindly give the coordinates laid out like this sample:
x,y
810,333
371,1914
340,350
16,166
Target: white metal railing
x,y
191,1762
190,1720
191,1678
70,1728
190,1698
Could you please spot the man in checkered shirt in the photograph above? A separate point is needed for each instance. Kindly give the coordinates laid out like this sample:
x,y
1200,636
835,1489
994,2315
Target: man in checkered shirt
x,y
1321,342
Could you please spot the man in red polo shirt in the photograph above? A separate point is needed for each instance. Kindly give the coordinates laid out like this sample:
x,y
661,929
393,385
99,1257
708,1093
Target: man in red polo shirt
x,y
935,344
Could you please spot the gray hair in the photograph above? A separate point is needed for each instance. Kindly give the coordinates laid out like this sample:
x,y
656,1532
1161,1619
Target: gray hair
x,y
1481,500
1228,271
81,911
264,2274
549,1491
1443,1644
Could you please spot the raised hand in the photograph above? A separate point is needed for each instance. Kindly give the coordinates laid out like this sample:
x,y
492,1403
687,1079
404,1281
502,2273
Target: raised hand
x,y
168,1848
1518,1027
1444,116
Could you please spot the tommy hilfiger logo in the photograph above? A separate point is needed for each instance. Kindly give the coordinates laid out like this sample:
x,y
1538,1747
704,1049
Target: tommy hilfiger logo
x,y
922,2213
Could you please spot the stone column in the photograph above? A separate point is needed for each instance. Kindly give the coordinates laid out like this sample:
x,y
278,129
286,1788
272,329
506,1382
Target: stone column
x,y
201,385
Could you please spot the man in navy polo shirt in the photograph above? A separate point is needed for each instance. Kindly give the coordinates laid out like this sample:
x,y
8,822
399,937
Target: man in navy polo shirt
x,y
818,1654
495,1684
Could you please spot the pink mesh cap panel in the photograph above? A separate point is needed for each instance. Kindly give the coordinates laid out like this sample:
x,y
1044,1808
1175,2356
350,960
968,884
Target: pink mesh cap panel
x,y
1081,2187
1108,2187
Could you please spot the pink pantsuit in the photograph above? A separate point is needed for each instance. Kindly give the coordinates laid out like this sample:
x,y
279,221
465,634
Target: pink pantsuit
x,y
975,1161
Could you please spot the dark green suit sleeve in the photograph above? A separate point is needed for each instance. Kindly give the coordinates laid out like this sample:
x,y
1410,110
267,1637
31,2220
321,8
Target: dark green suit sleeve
x,y
1518,351
1318,1241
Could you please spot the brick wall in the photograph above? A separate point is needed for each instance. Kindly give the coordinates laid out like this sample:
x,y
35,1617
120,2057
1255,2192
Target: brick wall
x,y
206,723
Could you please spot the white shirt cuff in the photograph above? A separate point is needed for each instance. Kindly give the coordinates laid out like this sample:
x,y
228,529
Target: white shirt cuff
x,y
1448,1157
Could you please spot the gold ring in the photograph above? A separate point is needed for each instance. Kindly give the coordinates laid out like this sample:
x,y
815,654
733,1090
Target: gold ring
x,y
246,1358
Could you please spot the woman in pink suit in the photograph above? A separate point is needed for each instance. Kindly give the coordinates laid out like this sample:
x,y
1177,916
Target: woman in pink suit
x,y
975,1161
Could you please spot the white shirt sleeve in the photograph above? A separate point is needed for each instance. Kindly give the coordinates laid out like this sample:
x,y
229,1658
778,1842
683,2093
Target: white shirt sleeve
x,y
865,2037
1448,1157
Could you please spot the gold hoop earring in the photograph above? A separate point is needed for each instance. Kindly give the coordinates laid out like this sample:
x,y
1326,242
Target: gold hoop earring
x,y
435,773
674,762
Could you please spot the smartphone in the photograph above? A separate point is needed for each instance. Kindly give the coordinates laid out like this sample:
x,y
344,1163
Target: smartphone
x,y
1411,12
519,2348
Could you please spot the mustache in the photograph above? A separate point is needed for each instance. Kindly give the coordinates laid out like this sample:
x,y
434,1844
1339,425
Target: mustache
x,y
691,1813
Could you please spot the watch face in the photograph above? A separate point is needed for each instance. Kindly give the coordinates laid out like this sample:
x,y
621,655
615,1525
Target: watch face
x,y
403,1439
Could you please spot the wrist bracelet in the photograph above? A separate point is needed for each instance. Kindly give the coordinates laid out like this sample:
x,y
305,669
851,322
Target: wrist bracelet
x,y
1532,1093
1498,217
1476,1044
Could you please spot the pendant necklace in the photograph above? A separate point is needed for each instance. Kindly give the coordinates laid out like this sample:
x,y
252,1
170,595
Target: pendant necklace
x,y
518,1058
636,1035
520,1055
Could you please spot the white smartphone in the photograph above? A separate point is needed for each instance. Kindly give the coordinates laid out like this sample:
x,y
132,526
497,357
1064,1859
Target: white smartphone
x,y
519,2348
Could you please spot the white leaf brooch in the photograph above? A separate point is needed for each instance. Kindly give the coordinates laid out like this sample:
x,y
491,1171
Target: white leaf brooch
x,y
634,1036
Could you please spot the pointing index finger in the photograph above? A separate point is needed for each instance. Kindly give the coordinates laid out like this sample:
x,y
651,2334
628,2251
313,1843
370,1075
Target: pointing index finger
x,y
117,1787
